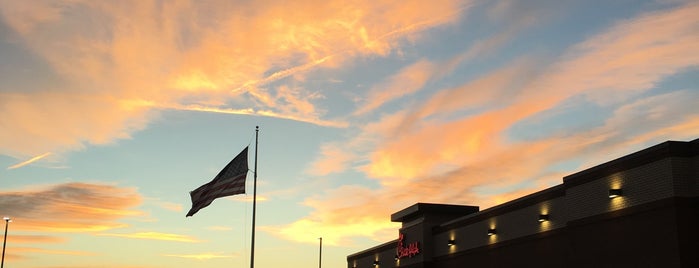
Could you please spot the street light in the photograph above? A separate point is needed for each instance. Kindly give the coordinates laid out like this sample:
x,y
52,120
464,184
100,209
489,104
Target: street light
x,y
4,241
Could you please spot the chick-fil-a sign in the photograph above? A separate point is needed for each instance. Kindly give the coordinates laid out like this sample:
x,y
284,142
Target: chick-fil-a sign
x,y
408,250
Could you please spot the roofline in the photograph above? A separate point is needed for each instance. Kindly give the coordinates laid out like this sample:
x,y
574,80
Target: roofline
x,y
374,250
651,154
419,209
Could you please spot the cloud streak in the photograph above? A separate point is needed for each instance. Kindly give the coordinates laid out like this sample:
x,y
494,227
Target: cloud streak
x,y
201,256
29,161
154,236
28,239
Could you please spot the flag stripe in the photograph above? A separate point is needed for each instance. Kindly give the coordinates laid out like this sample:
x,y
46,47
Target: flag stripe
x,y
225,190
229,181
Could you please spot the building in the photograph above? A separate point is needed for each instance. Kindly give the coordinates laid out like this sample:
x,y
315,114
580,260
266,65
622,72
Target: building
x,y
640,210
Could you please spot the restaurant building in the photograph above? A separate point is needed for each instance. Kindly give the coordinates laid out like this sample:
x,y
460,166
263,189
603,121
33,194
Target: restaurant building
x,y
640,210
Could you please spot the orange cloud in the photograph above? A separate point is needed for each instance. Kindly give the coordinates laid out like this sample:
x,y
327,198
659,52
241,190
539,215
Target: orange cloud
x,y
70,207
333,159
188,54
338,217
431,154
33,239
20,253
597,66
170,206
52,251
632,56
408,81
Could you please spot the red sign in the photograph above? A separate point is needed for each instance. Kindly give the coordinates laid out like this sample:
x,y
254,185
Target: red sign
x,y
408,250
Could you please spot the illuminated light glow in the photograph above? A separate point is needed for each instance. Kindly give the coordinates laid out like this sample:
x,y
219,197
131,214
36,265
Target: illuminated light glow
x,y
614,193
543,217
451,242
492,231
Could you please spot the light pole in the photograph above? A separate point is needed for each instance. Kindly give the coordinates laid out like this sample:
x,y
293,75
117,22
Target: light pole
x,y
320,253
4,241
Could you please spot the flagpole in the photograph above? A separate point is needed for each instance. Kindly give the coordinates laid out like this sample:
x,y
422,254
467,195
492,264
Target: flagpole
x,y
254,203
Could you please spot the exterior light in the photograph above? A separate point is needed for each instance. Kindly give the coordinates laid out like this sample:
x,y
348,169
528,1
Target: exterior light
x,y
613,193
543,217
376,263
395,257
492,231
451,242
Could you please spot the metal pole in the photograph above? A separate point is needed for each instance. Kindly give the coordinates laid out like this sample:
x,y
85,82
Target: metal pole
x,y
320,253
4,242
254,203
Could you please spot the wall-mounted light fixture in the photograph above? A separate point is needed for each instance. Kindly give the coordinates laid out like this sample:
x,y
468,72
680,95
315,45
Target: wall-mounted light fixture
x,y
395,257
376,263
451,242
543,217
614,193
492,231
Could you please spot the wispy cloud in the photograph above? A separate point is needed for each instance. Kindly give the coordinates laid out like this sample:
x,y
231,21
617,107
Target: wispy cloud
x,y
407,81
202,256
282,74
154,236
219,228
100,265
52,251
23,253
22,239
333,158
169,206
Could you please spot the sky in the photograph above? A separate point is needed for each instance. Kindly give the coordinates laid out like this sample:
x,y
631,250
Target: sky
x,y
112,111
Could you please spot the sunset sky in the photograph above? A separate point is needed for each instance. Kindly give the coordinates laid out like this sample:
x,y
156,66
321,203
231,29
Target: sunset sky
x,y
112,111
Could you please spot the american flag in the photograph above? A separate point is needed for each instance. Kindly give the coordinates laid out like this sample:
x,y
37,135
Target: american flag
x,y
230,181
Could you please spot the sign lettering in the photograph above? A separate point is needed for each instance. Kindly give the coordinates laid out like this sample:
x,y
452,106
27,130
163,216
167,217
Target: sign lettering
x,y
408,250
